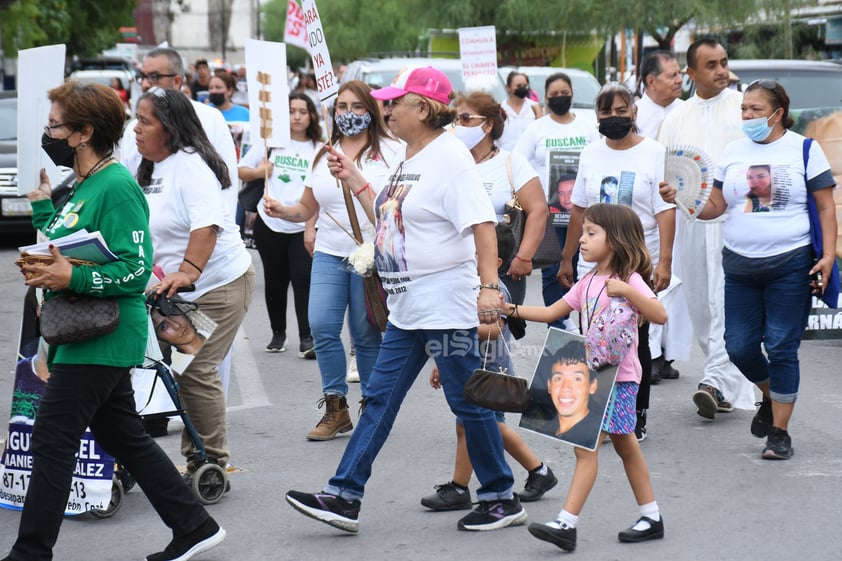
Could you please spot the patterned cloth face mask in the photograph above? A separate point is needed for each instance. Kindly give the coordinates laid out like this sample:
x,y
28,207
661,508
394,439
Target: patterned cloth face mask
x,y
351,124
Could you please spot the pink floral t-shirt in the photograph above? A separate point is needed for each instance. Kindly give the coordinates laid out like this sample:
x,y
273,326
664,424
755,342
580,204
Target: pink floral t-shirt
x,y
589,298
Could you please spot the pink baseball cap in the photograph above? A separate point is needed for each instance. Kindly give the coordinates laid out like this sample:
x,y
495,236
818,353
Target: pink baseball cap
x,y
422,80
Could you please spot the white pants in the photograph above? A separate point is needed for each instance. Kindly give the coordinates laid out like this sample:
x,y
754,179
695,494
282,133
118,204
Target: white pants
x,y
704,281
674,336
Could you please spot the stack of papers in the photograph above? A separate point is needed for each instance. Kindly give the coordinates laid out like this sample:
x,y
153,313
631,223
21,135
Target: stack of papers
x,y
84,245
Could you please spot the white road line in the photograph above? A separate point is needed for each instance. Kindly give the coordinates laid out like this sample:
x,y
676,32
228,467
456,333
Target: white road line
x,y
244,367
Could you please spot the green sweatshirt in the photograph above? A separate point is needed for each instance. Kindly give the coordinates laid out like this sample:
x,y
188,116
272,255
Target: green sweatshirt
x,y
110,202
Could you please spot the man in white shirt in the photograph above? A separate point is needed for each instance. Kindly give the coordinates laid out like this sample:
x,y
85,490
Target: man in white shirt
x,y
163,67
660,79
709,120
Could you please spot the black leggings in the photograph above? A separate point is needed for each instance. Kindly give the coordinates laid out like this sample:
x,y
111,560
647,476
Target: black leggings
x,y
644,355
78,396
285,260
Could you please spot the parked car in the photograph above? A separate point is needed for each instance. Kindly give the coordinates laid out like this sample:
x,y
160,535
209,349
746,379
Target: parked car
x,y
585,85
380,72
15,210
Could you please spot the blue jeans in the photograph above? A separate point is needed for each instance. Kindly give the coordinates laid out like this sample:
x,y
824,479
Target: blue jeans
x,y
402,356
333,290
769,306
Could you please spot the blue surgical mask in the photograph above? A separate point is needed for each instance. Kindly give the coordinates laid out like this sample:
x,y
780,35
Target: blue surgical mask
x,y
758,129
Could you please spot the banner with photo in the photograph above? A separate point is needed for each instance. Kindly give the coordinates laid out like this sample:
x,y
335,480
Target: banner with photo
x,y
568,399
91,486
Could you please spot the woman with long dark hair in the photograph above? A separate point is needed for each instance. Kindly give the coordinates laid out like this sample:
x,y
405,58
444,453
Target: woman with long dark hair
x,y
359,132
286,247
196,243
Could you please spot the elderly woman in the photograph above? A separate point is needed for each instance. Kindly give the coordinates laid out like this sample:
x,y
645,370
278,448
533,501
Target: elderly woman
x,y
197,244
768,257
479,124
360,134
445,229
90,383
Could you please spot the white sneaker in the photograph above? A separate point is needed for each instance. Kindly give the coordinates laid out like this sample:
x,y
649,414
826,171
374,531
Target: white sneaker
x,y
352,376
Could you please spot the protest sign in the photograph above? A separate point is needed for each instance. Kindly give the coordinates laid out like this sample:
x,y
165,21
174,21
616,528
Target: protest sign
x,y
478,51
40,70
268,93
326,80
295,30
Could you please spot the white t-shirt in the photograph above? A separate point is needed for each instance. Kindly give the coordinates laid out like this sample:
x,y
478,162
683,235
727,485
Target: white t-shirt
x,y
495,178
424,247
286,182
776,221
516,122
553,151
707,124
650,115
184,195
629,177
331,239
217,132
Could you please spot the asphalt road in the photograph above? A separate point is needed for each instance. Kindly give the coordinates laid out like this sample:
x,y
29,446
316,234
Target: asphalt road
x,y
719,500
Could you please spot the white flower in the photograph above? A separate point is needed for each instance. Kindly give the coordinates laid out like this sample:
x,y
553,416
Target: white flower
x,y
362,259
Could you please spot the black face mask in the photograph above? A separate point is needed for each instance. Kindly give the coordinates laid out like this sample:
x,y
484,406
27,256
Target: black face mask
x,y
615,128
59,151
521,92
560,104
217,98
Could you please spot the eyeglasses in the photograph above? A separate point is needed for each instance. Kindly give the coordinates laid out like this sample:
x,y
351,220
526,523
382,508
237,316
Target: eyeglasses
x,y
391,102
465,119
767,84
48,129
152,77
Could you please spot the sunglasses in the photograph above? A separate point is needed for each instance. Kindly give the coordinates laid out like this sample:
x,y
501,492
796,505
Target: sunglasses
x,y
465,119
767,84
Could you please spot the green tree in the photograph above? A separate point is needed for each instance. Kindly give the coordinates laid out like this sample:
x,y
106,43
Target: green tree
x,y
86,26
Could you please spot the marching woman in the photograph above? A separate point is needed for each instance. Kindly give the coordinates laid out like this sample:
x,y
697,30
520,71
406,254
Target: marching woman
x,y
285,247
360,133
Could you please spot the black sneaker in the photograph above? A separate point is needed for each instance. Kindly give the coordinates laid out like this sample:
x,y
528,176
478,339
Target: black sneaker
x,y
762,420
203,538
655,531
556,533
640,426
778,445
537,485
306,349
493,515
328,508
278,344
448,497
667,372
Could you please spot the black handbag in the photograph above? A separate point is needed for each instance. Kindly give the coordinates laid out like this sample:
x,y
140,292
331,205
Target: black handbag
x,y
71,318
252,191
548,252
497,391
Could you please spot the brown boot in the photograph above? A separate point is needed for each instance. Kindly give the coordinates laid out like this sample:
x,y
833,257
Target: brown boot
x,y
335,420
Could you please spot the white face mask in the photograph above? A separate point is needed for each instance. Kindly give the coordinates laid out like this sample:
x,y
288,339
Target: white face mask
x,y
470,136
